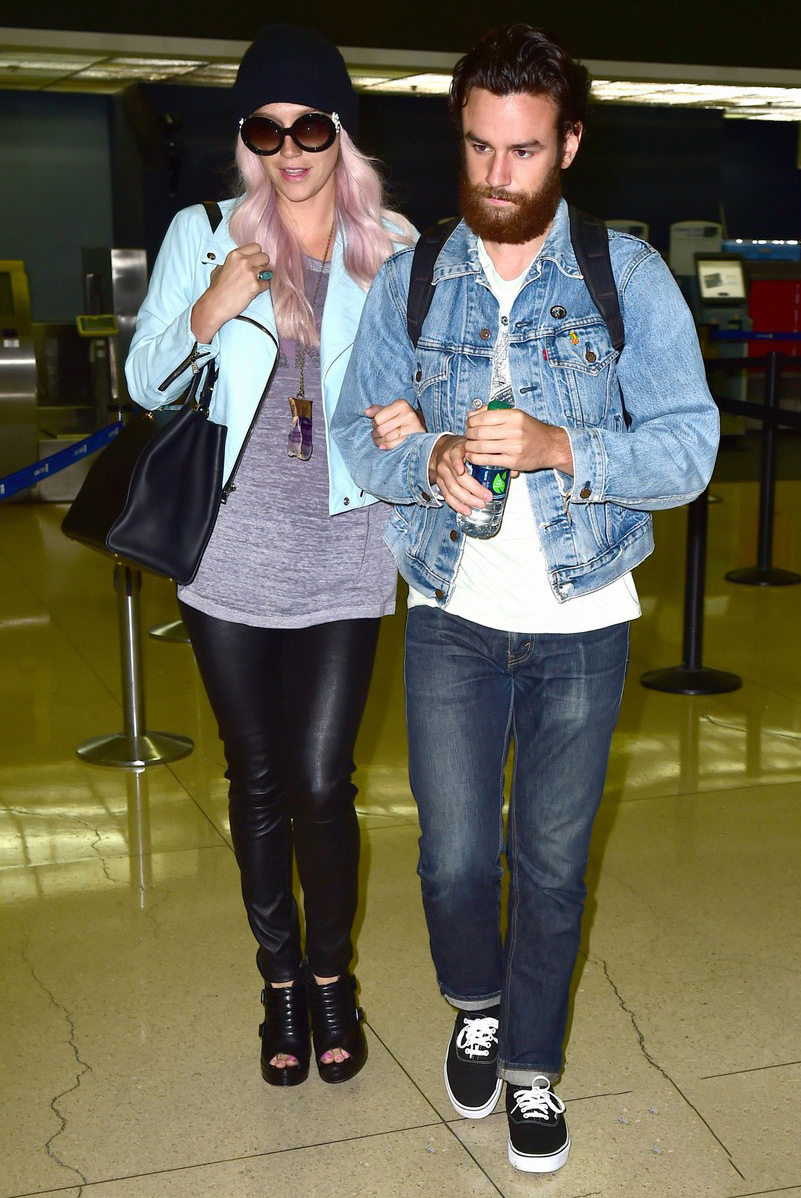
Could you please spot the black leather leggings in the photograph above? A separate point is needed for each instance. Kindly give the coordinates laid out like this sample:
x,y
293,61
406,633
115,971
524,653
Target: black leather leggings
x,y
288,703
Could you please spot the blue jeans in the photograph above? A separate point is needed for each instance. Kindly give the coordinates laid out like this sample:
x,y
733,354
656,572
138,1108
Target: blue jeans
x,y
470,691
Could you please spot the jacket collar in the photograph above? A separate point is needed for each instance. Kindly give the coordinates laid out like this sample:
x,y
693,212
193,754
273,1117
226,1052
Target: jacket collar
x,y
459,255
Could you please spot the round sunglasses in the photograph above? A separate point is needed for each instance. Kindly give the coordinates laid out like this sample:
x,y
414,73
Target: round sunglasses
x,y
313,132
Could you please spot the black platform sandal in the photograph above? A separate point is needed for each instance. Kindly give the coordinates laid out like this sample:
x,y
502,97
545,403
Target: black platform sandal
x,y
337,1023
285,1029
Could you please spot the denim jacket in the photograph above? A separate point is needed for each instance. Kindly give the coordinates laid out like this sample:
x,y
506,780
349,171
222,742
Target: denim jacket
x,y
164,351
643,427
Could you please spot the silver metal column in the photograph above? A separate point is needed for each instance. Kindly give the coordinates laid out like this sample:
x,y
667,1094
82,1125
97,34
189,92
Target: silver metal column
x,y
19,438
134,746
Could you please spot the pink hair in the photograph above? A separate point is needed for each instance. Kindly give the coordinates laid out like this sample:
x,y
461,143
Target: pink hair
x,y
359,212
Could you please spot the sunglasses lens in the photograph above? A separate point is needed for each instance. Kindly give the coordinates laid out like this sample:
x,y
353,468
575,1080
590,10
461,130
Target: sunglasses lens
x,y
261,135
315,132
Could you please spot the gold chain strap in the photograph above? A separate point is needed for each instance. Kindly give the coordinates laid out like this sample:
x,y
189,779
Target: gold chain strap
x,y
301,347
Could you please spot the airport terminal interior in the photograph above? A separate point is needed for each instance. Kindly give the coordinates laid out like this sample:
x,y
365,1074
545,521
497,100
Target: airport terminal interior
x,y
130,998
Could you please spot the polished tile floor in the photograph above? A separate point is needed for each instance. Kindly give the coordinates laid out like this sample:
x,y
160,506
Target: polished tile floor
x,y
130,1001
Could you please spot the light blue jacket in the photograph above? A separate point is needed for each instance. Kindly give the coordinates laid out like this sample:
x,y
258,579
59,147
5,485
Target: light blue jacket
x,y
654,450
164,349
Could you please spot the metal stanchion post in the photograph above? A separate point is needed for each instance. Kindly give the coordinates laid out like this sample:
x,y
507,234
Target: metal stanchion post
x,y
764,573
134,746
691,677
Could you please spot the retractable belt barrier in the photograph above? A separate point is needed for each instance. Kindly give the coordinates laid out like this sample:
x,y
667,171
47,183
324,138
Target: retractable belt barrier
x,y
692,677
60,460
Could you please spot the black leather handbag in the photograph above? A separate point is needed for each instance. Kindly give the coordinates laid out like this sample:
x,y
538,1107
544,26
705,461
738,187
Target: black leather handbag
x,y
152,497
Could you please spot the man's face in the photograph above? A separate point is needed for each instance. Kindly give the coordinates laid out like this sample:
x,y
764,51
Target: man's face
x,y
513,160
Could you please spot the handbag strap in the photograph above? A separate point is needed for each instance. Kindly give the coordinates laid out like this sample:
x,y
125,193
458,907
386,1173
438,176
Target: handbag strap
x,y
214,213
200,391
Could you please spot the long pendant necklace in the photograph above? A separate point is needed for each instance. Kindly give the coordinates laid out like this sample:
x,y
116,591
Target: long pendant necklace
x,y
299,442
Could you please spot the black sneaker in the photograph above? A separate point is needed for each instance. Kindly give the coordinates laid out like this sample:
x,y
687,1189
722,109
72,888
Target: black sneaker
x,y
470,1065
539,1141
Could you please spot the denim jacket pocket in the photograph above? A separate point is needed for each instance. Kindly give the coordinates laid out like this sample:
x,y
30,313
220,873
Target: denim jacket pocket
x,y
615,525
582,361
431,375
415,525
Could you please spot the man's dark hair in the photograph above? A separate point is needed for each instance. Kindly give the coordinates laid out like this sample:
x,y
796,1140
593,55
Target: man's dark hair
x,y
516,59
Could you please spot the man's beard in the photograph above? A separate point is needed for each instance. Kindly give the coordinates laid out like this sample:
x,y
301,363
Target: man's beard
x,y
529,218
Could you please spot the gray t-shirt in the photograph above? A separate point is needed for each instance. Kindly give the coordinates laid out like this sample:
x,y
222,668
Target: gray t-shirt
x,y
276,558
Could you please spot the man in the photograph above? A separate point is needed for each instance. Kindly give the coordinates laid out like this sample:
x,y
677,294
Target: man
x,y
523,637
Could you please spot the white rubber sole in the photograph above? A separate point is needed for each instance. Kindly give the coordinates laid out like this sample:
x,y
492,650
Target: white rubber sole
x,y
539,1164
474,1112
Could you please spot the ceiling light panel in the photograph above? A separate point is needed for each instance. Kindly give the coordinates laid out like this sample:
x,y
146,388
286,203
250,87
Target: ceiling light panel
x,y
427,84
781,103
212,74
147,69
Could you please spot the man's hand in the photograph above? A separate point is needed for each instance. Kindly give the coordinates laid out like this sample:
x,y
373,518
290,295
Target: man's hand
x,y
446,468
508,437
394,423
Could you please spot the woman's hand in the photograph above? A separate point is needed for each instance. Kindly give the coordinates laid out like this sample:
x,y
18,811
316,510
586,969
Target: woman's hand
x,y
231,288
394,423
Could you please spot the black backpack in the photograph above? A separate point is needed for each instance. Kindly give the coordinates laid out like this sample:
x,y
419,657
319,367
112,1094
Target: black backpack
x,y
590,245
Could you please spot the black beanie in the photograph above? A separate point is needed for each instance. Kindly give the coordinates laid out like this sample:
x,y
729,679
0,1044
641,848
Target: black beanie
x,y
289,65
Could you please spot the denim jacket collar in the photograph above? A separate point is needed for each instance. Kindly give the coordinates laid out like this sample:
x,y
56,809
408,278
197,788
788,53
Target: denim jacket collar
x,y
459,255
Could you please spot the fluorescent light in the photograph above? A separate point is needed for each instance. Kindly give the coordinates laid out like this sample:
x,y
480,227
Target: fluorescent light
x,y
750,101
427,84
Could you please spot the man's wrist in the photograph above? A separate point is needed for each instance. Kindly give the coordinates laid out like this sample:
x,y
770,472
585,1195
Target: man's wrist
x,y
562,453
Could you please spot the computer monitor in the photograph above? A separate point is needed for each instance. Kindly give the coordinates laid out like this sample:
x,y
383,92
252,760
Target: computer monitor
x,y
721,279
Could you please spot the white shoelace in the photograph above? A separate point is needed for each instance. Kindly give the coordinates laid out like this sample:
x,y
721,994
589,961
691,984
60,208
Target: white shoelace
x,y
539,1102
477,1037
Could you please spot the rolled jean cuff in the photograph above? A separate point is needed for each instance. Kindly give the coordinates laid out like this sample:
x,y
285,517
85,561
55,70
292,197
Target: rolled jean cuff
x,y
473,1004
523,1075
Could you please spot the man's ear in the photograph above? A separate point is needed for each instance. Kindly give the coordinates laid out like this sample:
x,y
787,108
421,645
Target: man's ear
x,y
572,143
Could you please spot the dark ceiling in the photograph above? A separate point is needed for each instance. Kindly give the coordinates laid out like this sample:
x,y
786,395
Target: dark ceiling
x,y
711,32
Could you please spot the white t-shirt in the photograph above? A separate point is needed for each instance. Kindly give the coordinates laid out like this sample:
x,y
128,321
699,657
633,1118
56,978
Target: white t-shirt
x,y
502,582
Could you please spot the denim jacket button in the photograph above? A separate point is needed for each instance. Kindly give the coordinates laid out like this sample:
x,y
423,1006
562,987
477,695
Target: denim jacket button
x,y
485,334
585,491
424,495
211,257
590,356
558,312
438,594
418,376
476,403
454,535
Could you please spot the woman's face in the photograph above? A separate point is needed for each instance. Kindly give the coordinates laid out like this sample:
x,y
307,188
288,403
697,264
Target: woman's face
x,y
297,175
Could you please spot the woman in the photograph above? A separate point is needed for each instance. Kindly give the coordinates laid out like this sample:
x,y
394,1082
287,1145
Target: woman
x,y
284,611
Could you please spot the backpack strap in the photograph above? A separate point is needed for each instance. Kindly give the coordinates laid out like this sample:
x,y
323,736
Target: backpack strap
x,y
421,287
591,247
214,213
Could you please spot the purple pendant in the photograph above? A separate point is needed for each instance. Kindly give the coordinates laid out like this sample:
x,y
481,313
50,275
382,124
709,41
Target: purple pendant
x,y
299,442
